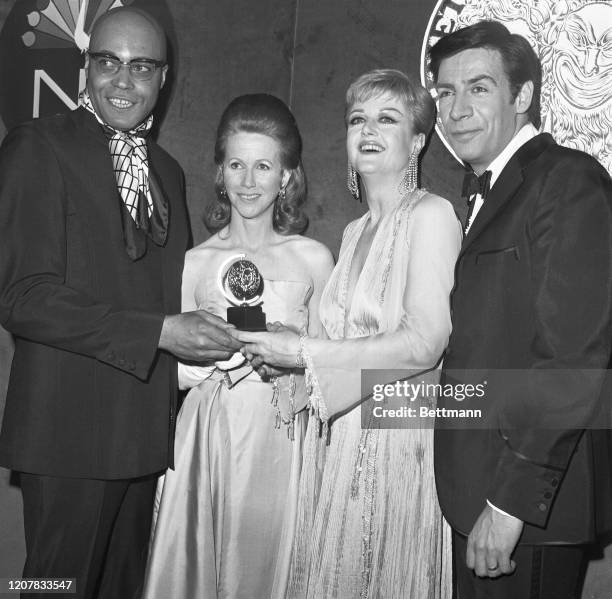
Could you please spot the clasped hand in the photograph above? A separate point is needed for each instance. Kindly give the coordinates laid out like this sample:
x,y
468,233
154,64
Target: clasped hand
x,y
272,350
198,336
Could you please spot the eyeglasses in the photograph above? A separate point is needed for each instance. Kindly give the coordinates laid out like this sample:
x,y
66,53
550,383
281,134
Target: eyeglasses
x,y
141,69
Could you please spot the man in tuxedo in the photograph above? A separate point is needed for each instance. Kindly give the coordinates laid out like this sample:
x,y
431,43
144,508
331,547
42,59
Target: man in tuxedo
x,y
94,230
533,293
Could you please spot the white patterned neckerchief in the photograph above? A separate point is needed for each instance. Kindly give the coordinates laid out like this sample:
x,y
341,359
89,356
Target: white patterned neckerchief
x,y
128,151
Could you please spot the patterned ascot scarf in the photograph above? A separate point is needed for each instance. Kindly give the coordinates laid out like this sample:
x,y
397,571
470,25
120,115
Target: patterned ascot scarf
x,y
144,207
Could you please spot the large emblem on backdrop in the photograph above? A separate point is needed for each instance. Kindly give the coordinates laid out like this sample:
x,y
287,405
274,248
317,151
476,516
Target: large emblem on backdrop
x,y
41,45
573,39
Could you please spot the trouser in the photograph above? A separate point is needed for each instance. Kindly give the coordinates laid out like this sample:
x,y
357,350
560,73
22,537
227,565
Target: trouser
x,y
95,531
542,572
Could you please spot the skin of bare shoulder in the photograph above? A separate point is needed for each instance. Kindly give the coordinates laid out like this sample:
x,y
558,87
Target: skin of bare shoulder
x,y
211,252
215,246
314,255
431,199
214,242
435,207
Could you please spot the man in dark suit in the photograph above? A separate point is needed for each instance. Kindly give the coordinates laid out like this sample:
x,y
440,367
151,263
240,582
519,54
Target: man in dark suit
x,y
94,230
533,293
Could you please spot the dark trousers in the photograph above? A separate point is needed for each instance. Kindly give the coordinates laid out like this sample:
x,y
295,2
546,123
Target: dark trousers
x,y
96,531
542,572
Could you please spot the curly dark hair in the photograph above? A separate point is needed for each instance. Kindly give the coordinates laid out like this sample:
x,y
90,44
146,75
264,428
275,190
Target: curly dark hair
x,y
267,115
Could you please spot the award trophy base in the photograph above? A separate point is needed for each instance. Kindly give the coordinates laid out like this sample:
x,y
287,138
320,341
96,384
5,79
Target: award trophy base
x,y
247,318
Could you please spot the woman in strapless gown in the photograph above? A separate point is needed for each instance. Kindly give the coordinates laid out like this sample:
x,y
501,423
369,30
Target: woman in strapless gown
x,y
370,525
225,516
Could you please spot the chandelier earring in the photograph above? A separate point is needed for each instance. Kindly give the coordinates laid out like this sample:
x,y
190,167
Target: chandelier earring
x,y
352,182
410,179
282,194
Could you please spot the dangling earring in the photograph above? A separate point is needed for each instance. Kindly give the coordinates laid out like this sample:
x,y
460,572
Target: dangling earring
x,y
220,184
280,199
352,182
410,178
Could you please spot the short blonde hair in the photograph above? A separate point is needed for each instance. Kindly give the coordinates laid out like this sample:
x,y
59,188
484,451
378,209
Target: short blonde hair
x,y
392,82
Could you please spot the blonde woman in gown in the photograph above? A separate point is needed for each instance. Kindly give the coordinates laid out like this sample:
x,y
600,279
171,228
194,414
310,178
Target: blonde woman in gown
x,y
372,527
225,516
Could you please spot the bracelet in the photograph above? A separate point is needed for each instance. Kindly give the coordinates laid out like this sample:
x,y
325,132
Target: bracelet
x,y
300,359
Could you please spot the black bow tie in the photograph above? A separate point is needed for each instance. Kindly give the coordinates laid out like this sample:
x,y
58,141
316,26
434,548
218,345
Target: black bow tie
x,y
472,184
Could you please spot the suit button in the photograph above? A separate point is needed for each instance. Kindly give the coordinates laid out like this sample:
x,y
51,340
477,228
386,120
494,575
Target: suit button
x,y
121,362
542,507
547,495
110,355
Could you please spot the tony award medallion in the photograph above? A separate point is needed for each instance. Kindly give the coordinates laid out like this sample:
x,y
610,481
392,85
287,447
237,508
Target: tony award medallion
x,y
242,284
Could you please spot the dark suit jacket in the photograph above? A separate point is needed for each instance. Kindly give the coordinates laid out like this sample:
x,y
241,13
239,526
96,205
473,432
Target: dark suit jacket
x,y
533,291
89,393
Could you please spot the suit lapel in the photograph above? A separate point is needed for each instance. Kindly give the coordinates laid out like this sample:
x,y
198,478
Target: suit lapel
x,y
156,165
501,193
95,157
96,153
508,182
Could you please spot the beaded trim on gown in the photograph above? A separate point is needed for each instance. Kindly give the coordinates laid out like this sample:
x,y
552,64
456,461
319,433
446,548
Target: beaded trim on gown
x,y
369,523
224,518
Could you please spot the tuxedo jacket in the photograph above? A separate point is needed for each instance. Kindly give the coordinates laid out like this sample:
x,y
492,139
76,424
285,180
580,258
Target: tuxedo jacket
x,y
89,393
533,296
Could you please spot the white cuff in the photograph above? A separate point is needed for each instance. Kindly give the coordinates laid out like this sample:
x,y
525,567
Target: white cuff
x,y
500,511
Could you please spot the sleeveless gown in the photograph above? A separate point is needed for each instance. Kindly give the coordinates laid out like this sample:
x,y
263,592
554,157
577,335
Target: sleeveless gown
x,y
369,523
224,518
